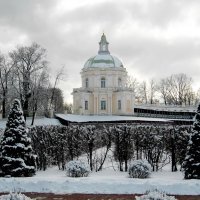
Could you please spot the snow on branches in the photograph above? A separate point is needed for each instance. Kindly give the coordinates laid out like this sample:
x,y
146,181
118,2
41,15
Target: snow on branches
x,y
16,150
191,164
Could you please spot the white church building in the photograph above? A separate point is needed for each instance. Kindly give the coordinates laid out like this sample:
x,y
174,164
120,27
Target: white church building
x,y
104,88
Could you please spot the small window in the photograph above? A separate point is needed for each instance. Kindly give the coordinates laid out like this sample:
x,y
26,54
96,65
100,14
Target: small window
x,y
86,105
119,105
103,82
103,105
86,83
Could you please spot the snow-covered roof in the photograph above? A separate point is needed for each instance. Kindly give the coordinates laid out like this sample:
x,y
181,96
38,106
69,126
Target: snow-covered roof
x,y
43,121
106,118
171,108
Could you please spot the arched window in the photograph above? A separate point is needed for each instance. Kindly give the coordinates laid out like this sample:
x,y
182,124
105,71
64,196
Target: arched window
x,y
103,82
86,83
119,82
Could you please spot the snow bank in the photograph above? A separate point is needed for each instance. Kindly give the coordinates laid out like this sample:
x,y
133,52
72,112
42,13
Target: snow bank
x,y
107,181
155,195
14,196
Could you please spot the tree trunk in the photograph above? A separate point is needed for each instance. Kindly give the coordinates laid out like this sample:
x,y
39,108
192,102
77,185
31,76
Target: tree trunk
x,y
126,165
174,167
34,113
33,118
26,93
4,105
90,156
120,166
100,168
25,109
173,153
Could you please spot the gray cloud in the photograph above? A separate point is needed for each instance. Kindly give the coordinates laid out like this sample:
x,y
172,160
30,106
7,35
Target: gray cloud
x,y
137,32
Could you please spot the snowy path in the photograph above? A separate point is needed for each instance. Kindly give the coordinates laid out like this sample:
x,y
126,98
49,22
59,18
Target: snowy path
x,y
104,182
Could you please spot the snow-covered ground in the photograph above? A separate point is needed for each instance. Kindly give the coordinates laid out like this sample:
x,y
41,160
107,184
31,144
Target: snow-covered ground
x,y
107,181
40,121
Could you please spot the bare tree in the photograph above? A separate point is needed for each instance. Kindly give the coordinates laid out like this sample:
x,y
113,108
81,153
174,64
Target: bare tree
x,y
143,92
5,73
153,89
197,97
176,89
189,98
57,101
132,83
163,90
68,108
27,60
38,90
59,76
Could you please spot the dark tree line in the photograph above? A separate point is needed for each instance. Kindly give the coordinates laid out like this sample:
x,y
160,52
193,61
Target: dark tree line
x,y
55,145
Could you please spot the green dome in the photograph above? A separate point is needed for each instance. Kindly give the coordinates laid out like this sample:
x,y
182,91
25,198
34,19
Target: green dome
x,y
103,59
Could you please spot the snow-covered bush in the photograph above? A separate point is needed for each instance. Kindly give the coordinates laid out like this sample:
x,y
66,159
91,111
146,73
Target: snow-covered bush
x,y
77,168
155,195
139,169
14,196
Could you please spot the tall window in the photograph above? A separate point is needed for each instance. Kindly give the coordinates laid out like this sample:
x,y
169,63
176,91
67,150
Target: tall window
x,y
86,105
119,105
103,105
86,83
103,82
119,82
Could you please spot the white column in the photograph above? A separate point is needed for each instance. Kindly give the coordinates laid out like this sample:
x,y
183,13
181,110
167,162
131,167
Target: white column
x,y
82,104
110,103
123,103
96,104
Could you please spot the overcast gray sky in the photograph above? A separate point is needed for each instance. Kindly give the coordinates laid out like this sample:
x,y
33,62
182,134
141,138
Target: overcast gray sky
x,y
153,38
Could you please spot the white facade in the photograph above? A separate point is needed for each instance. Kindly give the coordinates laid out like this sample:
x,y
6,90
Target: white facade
x,y
0,111
103,90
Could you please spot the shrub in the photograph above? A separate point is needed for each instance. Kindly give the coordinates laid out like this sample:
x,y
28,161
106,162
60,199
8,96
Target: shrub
x,y
139,169
77,168
155,195
14,196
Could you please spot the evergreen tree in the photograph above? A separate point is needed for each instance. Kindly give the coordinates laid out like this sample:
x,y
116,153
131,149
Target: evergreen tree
x,y
191,164
17,158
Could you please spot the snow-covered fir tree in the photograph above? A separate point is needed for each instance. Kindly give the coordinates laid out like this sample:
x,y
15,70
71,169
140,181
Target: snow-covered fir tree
x,y
191,164
16,151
